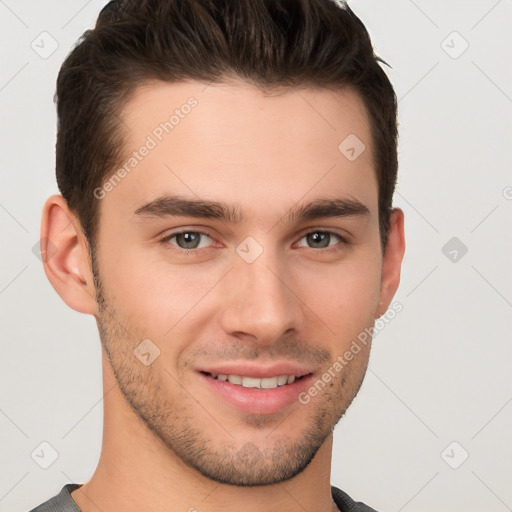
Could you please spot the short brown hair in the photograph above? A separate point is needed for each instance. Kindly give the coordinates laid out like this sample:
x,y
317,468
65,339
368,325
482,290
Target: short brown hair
x,y
269,43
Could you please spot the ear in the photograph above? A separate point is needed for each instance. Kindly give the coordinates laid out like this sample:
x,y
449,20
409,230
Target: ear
x,y
65,255
392,260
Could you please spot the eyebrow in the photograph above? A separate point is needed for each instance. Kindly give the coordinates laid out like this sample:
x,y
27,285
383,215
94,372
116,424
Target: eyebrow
x,y
175,205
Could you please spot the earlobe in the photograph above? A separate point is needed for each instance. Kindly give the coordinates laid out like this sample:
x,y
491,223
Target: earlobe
x,y
65,255
392,260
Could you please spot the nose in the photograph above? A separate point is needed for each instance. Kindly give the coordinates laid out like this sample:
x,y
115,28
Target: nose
x,y
259,300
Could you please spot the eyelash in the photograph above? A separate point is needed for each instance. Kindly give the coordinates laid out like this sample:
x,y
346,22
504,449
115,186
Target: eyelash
x,y
343,242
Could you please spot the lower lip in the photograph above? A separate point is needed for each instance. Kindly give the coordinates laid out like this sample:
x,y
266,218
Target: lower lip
x,y
255,400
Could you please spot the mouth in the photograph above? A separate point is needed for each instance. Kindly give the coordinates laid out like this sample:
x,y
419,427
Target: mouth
x,y
255,382
264,394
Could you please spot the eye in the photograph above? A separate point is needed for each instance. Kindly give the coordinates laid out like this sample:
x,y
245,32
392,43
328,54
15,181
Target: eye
x,y
322,239
186,241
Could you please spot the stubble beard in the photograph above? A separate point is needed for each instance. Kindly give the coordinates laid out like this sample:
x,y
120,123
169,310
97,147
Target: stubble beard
x,y
236,463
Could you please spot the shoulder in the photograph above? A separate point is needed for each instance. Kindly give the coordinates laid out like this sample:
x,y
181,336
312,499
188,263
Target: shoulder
x,y
62,502
346,504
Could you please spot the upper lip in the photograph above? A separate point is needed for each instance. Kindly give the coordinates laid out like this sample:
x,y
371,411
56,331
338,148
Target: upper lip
x,y
257,371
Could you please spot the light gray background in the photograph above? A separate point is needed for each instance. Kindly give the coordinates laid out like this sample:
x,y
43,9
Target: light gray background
x,y
439,372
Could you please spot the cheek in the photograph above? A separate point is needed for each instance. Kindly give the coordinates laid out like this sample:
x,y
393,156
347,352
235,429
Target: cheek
x,y
160,300
346,297
156,298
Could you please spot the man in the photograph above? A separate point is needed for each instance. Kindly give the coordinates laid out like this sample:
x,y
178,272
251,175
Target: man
x,y
227,171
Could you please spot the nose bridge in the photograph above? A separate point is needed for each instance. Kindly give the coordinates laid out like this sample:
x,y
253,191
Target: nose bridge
x,y
259,301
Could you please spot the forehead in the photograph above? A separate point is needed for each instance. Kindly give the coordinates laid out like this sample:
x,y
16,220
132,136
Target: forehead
x,y
235,143
216,110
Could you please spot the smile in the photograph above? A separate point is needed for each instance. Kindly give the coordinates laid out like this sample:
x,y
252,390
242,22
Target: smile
x,y
252,382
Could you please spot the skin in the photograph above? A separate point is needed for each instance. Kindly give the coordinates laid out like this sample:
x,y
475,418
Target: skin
x,y
169,442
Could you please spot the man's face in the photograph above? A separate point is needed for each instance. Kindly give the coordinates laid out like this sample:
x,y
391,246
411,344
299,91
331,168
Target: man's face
x,y
264,297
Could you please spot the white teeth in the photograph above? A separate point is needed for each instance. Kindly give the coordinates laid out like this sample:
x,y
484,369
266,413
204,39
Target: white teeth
x,y
269,382
282,380
235,379
252,382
